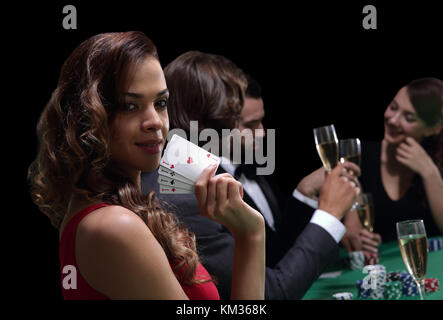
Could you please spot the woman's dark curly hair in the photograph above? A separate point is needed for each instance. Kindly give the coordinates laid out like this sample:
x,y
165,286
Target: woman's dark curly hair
x,y
74,143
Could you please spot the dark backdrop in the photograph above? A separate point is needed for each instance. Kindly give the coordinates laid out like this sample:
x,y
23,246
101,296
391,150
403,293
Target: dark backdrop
x,y
316,64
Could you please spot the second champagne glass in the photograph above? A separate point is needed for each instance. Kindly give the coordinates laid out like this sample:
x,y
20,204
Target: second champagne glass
x,y
326,143
365,212
414,250
350,150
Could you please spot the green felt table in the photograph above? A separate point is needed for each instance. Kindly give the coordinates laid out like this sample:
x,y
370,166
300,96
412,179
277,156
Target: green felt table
x,y
390,257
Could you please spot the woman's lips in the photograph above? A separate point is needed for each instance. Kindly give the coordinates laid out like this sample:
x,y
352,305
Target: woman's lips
x,y
393,132
151,146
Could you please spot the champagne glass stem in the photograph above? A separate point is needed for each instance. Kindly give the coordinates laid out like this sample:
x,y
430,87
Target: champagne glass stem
x,y
421,289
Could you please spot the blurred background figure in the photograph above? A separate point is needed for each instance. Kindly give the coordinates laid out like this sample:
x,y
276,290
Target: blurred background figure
x,y
404,170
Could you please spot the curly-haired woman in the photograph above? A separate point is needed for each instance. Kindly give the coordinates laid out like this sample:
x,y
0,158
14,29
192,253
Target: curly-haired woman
x,y
106,122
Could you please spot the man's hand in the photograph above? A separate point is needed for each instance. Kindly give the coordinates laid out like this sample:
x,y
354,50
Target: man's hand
x,y
311,184
338,193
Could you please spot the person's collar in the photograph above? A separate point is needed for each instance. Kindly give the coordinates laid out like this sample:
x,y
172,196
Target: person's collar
x,y
228,166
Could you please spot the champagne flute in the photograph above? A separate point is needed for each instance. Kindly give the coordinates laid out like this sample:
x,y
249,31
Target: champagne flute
x,y
327,146
366,212
414,250
350,150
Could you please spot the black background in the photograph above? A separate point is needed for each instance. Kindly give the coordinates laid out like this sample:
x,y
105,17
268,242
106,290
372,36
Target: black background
x,y
315,62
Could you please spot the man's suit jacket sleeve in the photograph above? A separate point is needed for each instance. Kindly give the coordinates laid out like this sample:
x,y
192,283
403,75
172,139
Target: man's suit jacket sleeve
x,y
313,248
293,275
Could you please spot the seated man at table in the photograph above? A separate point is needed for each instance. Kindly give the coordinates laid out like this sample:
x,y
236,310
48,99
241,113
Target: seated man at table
x,y
209,88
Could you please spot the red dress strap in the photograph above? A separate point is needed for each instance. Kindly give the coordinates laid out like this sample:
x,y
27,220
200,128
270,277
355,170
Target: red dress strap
x,y
74,286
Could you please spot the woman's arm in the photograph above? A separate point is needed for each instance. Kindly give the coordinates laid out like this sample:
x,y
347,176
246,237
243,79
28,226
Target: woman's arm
x,y
119,256
433,184
248,270
220,199
411,154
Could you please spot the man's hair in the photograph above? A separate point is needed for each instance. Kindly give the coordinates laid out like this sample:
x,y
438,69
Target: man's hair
x,y
254,89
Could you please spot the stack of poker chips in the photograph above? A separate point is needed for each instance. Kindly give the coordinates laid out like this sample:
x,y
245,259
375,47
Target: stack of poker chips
x,y
393,285
432,285
393,290
356,260
393,276
409,286
342,296
373,285
363,292
380,282
435,244
371,258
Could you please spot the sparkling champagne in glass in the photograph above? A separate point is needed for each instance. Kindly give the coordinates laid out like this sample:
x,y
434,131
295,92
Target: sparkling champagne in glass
x,y
414,250
326,143
366,212
350,150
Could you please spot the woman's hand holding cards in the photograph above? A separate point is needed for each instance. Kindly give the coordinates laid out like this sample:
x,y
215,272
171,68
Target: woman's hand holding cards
x,y
220,199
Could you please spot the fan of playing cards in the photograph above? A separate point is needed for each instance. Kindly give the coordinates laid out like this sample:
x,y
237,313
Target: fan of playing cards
x,y
181,165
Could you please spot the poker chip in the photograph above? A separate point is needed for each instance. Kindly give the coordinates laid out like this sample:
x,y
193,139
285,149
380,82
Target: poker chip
x,y
380,267
393,290
362,292
373,285
379,277
435,244
371,258
356,260
432,285
393,276
342,296
409,287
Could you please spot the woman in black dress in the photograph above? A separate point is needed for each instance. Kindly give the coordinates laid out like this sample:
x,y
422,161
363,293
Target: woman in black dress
x,y
404,170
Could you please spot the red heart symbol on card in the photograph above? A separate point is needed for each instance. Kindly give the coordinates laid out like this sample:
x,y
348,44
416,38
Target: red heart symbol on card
x,y
172,166
208,155
189,160
173,189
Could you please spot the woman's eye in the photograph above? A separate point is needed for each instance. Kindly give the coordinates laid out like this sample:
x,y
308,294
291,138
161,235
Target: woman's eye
x,y
130,107
163,103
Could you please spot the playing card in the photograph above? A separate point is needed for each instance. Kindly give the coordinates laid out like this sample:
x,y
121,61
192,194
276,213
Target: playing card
x,y
170,189
163,171
165,181
186,158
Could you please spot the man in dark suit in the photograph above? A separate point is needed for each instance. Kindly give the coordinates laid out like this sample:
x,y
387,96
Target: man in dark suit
x,y
291,265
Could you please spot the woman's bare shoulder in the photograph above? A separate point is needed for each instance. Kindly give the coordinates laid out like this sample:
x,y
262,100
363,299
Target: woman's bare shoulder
x,y
111,221
118,255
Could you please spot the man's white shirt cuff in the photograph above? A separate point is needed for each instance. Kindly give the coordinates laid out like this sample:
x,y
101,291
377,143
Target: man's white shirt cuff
x,y
330,223
301,197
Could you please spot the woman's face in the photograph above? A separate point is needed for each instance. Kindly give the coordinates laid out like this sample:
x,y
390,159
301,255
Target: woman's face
x,y
139,131
401,120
